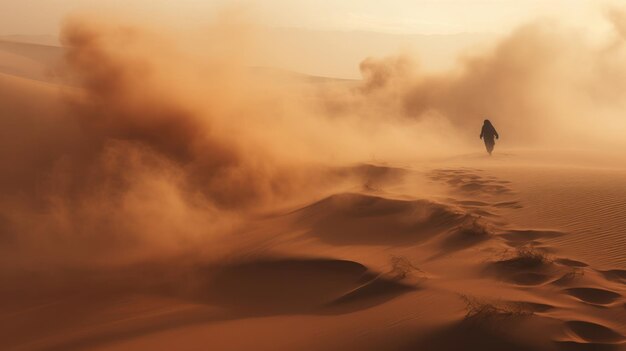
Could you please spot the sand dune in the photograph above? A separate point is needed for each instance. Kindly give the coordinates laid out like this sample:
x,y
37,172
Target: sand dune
x,y
32,61
502,288
360,219
259,287
159,207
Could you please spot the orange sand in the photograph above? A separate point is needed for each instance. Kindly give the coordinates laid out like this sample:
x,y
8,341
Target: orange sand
x,y
520,251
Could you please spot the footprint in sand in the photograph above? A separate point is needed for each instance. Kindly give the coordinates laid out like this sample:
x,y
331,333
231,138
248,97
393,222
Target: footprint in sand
x,y
593,296
518,238
478,208
469,203
467,181
508,204
482,213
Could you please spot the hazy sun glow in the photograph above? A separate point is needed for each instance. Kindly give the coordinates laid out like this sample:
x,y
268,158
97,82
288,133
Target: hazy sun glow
x,y
398,16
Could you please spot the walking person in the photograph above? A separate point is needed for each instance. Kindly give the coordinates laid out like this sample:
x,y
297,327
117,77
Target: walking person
x,y
487,134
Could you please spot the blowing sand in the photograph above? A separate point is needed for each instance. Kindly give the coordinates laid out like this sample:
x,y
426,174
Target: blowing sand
x,y
156,207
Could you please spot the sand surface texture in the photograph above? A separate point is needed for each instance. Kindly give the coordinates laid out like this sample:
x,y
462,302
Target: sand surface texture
x,y
369,268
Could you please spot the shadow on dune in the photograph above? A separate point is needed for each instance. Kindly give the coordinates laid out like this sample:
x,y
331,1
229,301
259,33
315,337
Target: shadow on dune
x,y
472,334
201,294
509,204
593,332
593,296
121,332
569,278
374,293
527,266
355,219
313,286
534,307
615,275
471,233
521,237
570,263
284,285
585,346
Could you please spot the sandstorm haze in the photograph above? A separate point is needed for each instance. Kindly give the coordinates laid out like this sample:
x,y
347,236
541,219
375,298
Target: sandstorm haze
x,y
192,158
146,111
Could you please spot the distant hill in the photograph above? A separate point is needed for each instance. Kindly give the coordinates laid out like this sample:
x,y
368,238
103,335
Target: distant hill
x,y
28,60
313,53
50,40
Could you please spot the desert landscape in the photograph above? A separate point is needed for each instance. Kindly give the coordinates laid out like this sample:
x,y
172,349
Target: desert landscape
x,y
236,187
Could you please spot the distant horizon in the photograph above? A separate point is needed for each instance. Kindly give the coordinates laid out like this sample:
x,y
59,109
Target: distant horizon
x,y
435,51
335,30
425,17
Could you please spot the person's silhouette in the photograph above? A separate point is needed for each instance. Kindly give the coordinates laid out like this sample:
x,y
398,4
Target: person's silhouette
x,y
487,134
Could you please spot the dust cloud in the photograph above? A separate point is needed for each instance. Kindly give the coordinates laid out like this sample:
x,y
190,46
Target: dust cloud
x,y
166,145
543,85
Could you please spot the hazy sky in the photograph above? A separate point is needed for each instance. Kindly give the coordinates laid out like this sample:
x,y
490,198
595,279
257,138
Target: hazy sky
x,y
398,16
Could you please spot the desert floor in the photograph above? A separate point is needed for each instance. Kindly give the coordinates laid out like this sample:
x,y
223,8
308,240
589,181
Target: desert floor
x,y
472,252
